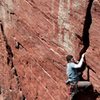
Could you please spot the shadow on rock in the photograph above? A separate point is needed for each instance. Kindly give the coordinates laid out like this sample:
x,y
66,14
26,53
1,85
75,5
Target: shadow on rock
x,y
93,95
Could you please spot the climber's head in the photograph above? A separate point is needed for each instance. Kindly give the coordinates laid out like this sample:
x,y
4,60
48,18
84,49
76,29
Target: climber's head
x,y
69,58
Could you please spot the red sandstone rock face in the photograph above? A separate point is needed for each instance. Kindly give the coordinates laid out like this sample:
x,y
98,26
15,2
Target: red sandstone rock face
x,y
35,37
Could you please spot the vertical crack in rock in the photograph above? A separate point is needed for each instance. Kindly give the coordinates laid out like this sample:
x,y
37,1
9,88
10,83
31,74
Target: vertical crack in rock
x,y
8,48
85,37
6,8
87,24
9,54
10,60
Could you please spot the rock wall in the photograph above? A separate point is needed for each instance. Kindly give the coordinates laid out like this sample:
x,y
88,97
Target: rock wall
x,y
36,36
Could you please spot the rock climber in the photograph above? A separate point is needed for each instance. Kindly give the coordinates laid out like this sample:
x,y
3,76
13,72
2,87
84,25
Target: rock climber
x,y
73,75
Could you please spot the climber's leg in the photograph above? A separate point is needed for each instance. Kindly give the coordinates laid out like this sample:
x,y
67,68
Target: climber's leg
x,y
85,85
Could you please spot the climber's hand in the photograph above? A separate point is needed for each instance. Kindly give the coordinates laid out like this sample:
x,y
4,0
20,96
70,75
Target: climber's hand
x,y
83,55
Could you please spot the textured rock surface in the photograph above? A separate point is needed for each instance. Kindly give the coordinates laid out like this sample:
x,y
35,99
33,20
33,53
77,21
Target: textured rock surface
x,y
36,36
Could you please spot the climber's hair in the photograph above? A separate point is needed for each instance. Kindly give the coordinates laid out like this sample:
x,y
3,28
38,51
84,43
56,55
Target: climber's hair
x,y
68,58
